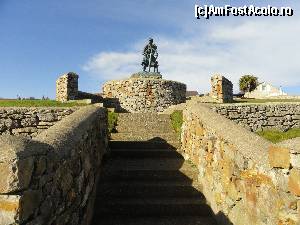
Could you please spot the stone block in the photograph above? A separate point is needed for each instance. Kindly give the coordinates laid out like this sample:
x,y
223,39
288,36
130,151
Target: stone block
x,y
9,209
295,160
279,157
294,181
15,176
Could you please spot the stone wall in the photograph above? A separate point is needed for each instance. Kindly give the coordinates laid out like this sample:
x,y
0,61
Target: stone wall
x,y
30,121
221,89
256,117
144,95
51,179
245,178
67,89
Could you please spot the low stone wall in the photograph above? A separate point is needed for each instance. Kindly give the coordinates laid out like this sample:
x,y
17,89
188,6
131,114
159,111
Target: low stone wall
x,y
145,95
245,178
257,117
51,179
30,121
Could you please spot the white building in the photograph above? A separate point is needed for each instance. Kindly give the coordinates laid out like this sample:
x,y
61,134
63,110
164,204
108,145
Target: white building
x,y
265,90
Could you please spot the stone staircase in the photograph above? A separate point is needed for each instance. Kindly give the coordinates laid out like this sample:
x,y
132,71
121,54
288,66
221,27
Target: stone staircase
x,y
145,181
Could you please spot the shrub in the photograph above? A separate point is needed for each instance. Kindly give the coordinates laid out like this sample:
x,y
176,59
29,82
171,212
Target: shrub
x,y
248,83
112,122
176,118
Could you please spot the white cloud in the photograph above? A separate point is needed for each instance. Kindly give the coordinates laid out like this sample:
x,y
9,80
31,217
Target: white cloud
x,y
268,48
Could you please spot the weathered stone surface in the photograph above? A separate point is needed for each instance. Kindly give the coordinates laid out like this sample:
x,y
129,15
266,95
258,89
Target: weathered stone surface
x,y
51,190
34,120
15,176
279,157
9,209
143,94
30,201
67,89
294,181
221,89
236,170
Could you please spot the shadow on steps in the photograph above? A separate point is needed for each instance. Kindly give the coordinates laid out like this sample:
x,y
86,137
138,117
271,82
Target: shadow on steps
x,y
149,183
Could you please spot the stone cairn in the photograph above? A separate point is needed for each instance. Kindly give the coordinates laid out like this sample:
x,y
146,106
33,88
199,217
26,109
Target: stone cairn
x,y
67,87
221,89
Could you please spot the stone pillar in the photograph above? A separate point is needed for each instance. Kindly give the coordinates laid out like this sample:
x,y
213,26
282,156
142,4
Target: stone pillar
x,y
221,89
67,87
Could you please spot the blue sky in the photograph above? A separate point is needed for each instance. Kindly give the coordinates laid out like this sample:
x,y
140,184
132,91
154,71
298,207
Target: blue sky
x,y
102,40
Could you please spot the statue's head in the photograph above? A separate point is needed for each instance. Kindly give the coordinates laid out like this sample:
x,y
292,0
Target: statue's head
x,y
151,40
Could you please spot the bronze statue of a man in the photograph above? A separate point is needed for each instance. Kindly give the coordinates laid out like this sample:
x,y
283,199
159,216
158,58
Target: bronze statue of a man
x,y
150,56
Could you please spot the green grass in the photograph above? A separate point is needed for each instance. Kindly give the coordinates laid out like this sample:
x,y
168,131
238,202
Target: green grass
x,y
245,100
176,119
37,103
276,136
112,121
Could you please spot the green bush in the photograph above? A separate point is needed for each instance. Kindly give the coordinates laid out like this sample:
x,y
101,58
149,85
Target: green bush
x,y
248,83
276,136
176,119
112,121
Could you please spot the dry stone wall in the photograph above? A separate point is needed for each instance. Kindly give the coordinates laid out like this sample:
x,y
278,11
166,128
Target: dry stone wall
x,y
245,178
257,117
51,179
30,121
144,95
221,89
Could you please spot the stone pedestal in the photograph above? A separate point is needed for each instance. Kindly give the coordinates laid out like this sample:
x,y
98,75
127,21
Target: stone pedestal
x,y
141,93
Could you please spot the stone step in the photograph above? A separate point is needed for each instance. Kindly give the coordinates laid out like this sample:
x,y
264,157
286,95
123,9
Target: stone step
x,y
149,121
153,144
145,136
148,164
150,176
152,207
142,117
153,127
145,153
149,190
163,220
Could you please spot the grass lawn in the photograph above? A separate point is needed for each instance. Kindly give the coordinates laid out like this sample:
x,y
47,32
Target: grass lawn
x,y
245,100
176,119
37,103
276,136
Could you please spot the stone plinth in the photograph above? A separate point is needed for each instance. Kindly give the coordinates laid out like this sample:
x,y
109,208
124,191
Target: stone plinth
x,y
145,94
67,87
221,89
150,75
